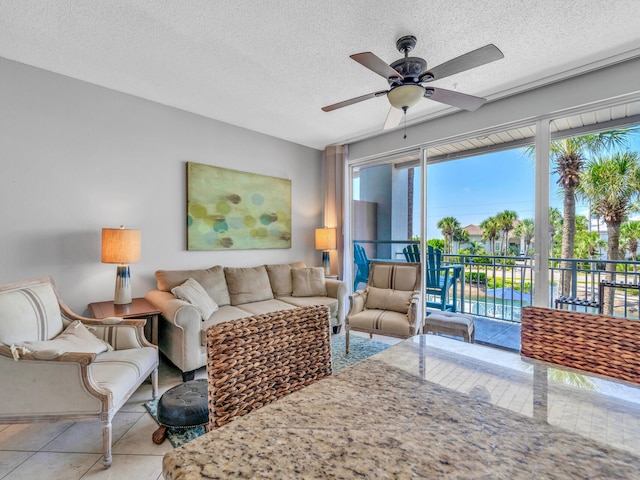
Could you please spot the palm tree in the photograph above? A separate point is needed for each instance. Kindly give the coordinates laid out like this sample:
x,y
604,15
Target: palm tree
x,y
555,225
436,243
589,244
612,184
630,231
461,236
475,247
526,231
569,155
490,233
505,221
448,226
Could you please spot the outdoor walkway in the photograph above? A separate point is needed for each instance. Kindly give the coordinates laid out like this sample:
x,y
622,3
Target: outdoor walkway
x,y
497,333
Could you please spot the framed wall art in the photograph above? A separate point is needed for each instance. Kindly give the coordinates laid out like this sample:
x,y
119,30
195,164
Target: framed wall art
x,y
233,210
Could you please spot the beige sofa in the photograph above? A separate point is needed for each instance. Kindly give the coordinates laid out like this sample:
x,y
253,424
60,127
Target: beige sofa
x,y
233,293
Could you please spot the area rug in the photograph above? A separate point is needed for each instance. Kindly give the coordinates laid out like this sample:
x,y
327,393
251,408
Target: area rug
x,y
359,349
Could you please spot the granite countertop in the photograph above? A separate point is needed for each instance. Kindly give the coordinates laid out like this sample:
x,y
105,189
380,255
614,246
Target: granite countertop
x,y
430,407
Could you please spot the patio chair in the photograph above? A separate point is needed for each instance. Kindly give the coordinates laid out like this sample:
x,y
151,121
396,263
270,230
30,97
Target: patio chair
x,y
56,366
412,253
439,280
362,265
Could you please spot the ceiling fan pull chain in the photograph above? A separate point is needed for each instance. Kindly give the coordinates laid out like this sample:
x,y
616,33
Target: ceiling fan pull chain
x,y
404,109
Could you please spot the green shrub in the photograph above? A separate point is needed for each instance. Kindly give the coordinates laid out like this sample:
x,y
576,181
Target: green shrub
x,y
475,277
481,260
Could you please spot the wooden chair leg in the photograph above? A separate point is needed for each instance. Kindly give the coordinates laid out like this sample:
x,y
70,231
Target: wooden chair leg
x,y
106,442
154,384
346,340
159,435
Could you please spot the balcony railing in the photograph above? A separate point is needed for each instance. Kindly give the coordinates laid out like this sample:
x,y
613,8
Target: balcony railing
x,y
494,286
498,287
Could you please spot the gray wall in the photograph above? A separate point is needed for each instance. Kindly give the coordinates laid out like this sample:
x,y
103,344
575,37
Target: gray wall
x,y
76,157
375,186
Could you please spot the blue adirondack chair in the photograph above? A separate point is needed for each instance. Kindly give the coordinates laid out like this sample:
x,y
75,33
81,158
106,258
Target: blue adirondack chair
x,y
440,279
362,265
412,253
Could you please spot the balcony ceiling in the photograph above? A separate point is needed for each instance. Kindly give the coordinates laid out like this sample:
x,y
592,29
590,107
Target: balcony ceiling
x,y
270,66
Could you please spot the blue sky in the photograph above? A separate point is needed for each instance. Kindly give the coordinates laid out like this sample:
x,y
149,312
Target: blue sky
x,y
472,189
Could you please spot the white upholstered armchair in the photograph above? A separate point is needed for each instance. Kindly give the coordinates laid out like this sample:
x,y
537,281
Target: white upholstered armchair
x,y
58,366
388,305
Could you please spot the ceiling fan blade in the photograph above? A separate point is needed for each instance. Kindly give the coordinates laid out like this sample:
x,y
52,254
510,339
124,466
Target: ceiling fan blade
x,y
481,56
393,118
351,101
376,64
455,99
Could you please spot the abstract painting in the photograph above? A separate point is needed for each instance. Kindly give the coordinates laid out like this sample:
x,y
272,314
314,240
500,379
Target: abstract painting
x,y
232,210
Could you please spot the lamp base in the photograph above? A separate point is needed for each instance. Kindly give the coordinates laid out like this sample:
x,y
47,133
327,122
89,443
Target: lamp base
x,y
326,263
122,294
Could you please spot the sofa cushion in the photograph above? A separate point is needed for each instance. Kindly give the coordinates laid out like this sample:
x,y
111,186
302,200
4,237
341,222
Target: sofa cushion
x,y
308,282
75,338
119,370
212,280
311,301
266,306
248,285
280,277
228,313
192,292
388,321
387,299
224,314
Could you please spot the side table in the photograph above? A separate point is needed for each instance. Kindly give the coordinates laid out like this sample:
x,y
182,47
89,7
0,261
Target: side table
x,y
138,308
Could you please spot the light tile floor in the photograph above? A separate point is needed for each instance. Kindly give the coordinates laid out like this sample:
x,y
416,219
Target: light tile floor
x,y
70,451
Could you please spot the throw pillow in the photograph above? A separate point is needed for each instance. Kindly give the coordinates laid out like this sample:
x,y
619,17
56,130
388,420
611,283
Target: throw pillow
x,y
191,291
212,280
387,299
75,338
308,282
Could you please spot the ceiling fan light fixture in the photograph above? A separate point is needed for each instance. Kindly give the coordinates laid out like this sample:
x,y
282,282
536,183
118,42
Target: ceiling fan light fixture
x,y
405,96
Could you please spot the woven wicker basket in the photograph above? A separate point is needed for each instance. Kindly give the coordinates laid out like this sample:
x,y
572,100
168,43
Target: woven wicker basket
x,y
254,361
594,343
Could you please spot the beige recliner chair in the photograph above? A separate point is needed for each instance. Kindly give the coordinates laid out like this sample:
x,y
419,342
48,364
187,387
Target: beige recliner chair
x,y
58,366
389,303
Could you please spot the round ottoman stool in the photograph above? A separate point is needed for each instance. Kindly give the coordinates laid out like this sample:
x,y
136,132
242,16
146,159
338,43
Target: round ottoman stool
x,y
182,406
448,323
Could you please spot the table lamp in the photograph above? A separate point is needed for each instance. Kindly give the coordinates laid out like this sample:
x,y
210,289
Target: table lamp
x,y
121,246
325,241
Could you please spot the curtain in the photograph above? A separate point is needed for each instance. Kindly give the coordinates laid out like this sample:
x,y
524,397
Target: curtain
x,y
334,158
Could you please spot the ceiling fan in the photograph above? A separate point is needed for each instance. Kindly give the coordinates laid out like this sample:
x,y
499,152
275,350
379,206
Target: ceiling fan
x,y
408,75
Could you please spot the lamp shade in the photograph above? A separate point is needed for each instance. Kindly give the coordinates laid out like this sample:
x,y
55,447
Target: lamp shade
x,y
326,239
405,96
120,245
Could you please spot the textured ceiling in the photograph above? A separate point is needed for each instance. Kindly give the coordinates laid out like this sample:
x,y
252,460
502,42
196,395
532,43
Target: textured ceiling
x,y
270,66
